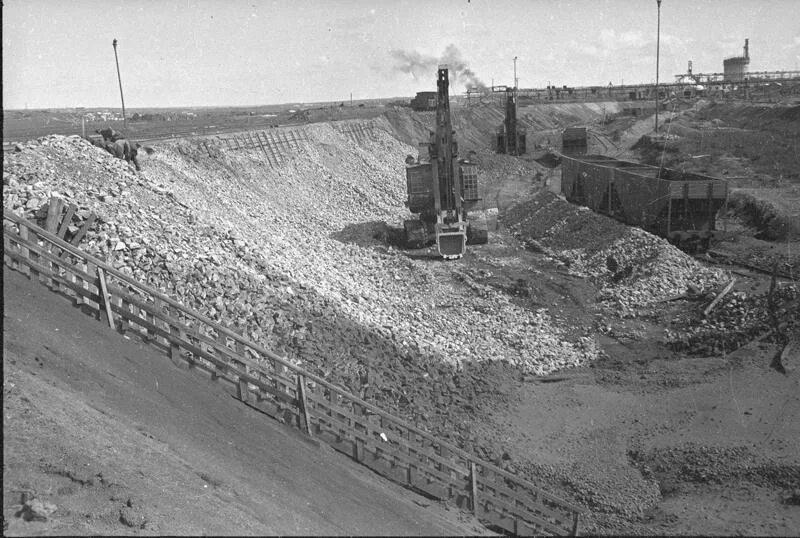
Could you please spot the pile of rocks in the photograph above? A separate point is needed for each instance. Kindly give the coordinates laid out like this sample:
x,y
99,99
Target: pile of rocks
x,y
633,267
739,318
691,462
285,255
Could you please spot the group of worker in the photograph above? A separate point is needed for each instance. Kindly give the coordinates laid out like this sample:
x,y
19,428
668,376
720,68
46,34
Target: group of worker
x,y
116,144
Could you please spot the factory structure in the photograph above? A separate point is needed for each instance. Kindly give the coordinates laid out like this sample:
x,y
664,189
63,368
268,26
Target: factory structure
x,y
735,79
735,68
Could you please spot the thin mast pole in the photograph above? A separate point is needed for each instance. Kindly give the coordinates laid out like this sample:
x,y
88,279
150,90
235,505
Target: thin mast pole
x,y
119,78
658,46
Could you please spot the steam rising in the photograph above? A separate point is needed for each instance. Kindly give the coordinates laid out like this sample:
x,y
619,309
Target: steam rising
x,y
423,67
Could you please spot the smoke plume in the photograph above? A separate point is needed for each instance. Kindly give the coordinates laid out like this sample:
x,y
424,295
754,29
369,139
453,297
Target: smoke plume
x,y
423,67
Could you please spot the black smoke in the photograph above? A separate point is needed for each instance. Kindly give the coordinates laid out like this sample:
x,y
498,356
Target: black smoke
x,y
423,67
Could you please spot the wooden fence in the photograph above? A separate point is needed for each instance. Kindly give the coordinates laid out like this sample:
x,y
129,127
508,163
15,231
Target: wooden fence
x,y
264,380
276,144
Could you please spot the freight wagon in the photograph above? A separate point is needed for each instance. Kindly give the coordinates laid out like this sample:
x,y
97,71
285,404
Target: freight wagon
x,y
424,101
679,206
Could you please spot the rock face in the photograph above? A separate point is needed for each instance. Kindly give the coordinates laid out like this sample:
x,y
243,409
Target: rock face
x,y
285,253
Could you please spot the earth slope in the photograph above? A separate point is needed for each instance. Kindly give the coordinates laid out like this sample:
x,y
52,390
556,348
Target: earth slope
x,y
120,441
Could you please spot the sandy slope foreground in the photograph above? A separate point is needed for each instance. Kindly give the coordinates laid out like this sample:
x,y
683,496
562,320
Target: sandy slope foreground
x,y
119,440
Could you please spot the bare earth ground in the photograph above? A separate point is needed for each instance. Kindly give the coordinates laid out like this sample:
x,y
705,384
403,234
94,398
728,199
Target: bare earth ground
x,y
615,422
615,427
121,441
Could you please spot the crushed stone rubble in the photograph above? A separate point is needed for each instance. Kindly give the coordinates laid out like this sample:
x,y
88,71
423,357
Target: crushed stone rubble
x,y
739,318
287,256
704,464
633,267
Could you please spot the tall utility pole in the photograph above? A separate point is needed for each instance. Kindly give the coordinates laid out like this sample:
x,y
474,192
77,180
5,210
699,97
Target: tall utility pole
x,y
116,59
516,140
515,75
658,46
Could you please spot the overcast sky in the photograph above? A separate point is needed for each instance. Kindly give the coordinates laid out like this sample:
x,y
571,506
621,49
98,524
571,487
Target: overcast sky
x,y
58,53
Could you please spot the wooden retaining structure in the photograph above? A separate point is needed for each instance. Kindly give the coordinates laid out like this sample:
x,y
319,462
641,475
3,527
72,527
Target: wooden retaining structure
x,y
263,380
275,144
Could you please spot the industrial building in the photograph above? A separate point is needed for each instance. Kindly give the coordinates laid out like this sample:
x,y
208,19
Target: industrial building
x,y
735,68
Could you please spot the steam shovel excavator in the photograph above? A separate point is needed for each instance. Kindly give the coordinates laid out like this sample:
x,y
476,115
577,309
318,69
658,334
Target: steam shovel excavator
x,y
511,135
442,189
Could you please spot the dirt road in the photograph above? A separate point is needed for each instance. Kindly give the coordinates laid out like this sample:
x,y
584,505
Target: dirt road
x,y
121,441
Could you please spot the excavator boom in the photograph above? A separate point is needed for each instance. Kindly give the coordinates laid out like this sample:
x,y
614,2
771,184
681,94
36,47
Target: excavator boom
x,y
441,189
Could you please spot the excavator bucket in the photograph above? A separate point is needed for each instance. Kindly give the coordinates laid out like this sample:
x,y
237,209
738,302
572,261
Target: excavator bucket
x,y
451,244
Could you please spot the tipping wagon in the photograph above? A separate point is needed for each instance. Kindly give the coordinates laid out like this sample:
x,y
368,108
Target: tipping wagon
x,y
680,206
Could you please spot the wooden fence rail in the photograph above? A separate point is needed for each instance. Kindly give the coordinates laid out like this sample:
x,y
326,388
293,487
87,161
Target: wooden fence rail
x,y
262,379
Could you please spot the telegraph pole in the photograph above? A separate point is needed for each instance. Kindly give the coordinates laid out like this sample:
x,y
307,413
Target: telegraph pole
x,y
516,138
116,59
515,73
658,46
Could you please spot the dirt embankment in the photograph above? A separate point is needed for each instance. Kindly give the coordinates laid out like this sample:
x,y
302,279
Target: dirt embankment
x,y
103,435
476,126
756,147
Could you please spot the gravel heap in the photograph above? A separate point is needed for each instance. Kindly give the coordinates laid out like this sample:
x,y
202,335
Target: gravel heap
x,y
287,256
632,266
691,463
739,318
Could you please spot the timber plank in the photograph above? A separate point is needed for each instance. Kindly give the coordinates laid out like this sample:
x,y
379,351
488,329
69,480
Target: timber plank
x,y
562,527
530,502
66,220
41,252
77,287
83,229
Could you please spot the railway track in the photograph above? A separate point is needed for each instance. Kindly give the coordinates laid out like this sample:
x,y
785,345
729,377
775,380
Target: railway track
x,y
719,258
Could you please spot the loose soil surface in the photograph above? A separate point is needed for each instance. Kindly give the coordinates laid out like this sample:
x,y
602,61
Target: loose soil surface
x,y
121,441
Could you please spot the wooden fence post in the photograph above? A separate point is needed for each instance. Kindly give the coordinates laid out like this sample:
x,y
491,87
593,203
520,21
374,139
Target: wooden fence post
x,y
359,444
174,347
92,307
243,392
104,293
575,521
66,221
473,478
411,473
301,396
53,212
24,252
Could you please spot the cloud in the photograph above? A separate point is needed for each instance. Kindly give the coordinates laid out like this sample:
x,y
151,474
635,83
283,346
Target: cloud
x,y
584,48
611,41
423,66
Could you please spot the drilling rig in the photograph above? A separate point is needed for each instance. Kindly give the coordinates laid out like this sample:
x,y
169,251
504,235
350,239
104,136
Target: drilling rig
x,y
509,139
442,189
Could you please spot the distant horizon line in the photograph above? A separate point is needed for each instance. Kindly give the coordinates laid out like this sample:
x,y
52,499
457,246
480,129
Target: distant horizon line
x,y
173,107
